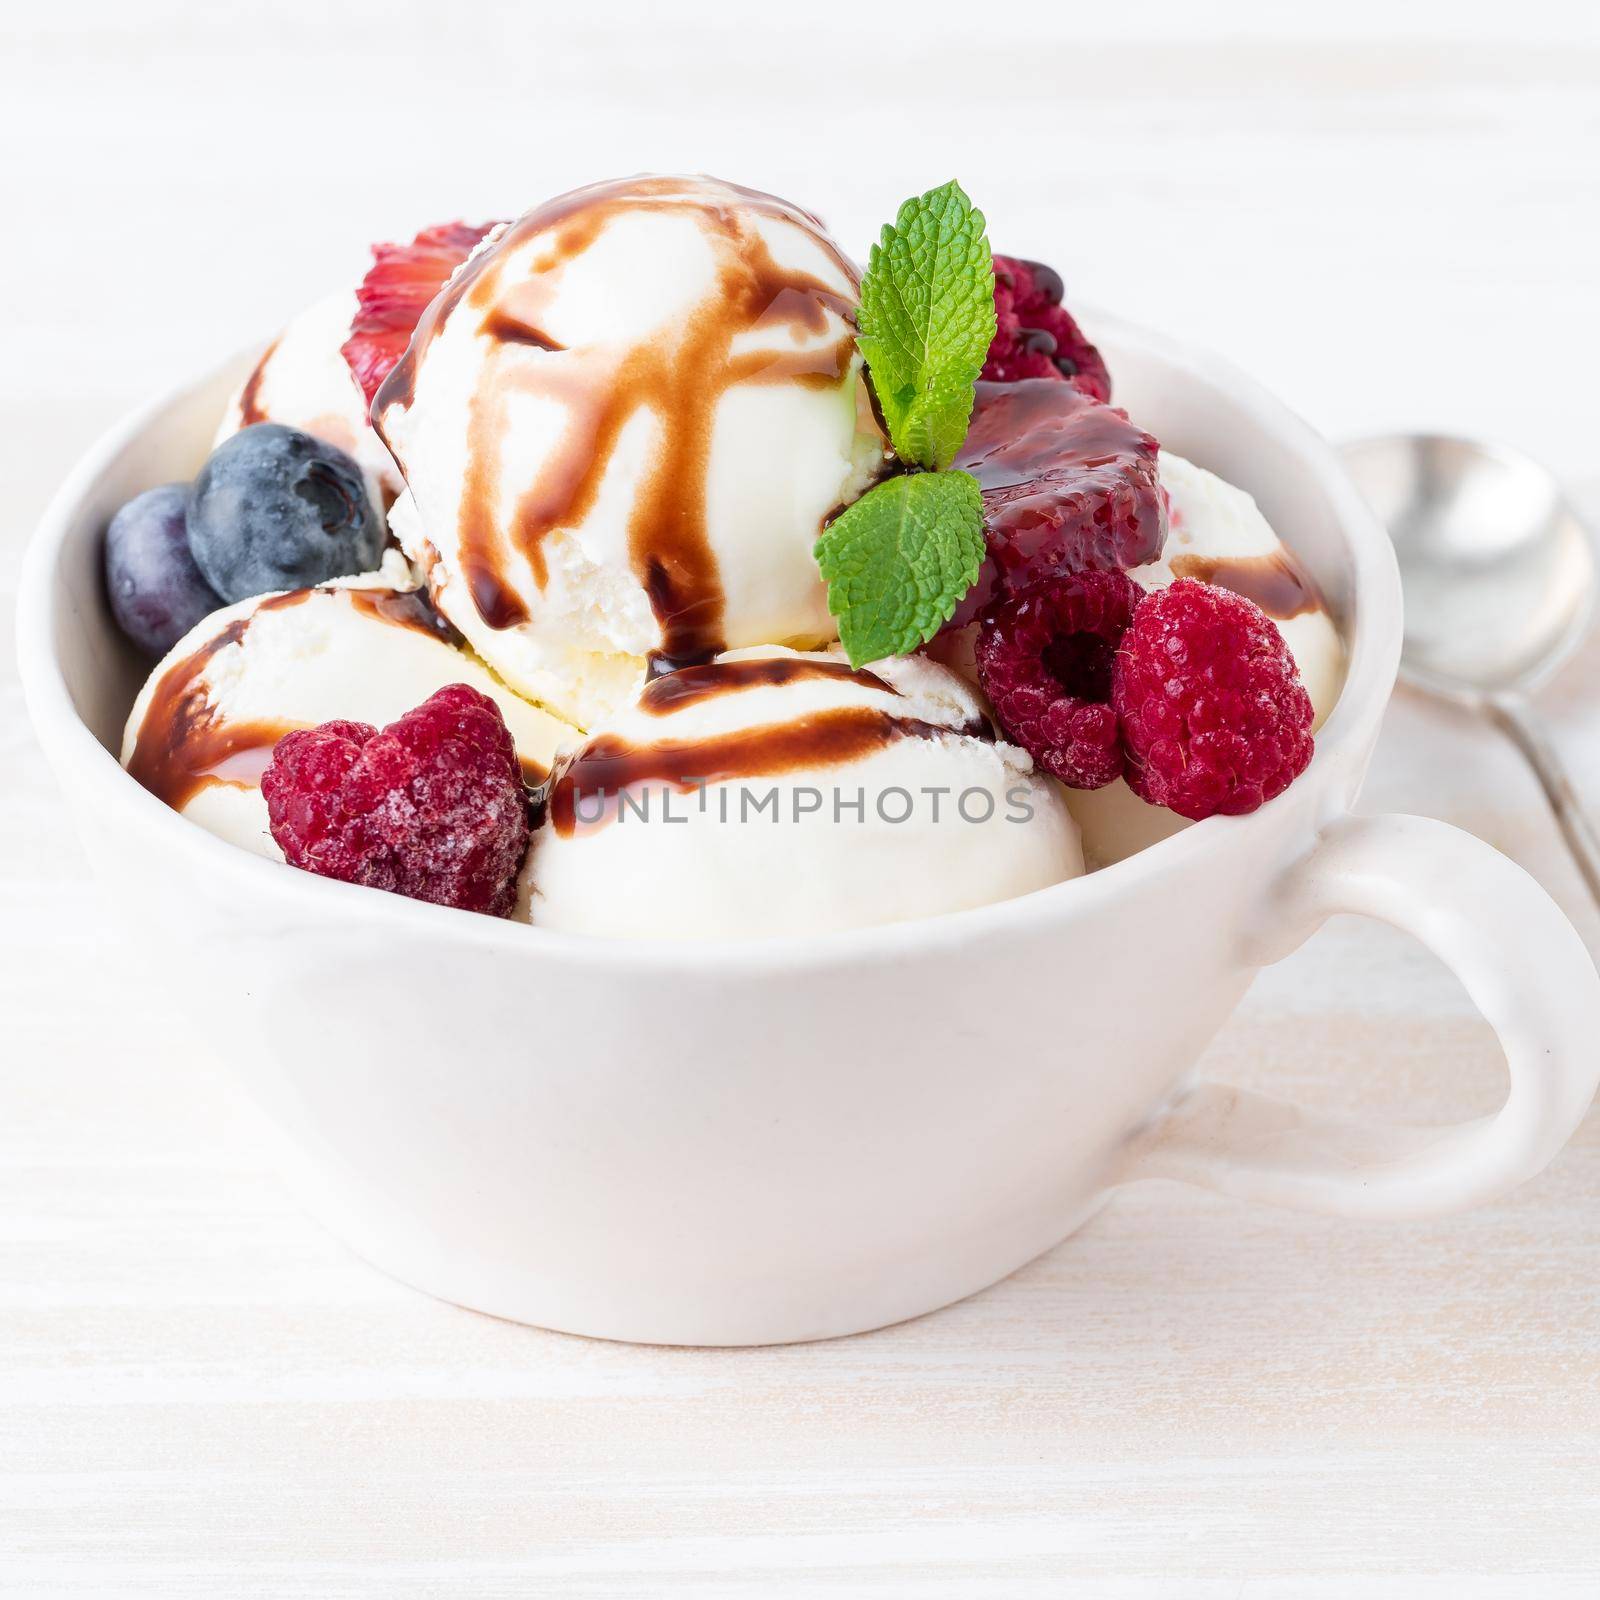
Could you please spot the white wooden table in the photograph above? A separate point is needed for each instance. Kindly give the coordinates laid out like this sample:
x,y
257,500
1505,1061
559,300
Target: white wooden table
x,y
201,1394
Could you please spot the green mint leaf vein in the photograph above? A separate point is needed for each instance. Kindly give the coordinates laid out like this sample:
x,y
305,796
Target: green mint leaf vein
x,y
899,560
926,322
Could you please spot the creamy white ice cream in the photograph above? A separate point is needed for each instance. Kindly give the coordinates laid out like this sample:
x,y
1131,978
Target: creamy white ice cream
x,y
202,730
303,381
623,424
826,799
1217,533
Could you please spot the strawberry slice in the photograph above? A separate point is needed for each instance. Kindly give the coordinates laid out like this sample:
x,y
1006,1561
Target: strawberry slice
x,y
395,293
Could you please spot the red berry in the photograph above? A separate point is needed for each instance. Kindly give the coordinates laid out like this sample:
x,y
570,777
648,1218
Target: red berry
x,y
1045,661
1035,335
396,291
432,807
1214,716
1068,485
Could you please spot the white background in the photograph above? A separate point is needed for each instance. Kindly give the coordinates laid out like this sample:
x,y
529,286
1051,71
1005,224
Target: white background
x,y
1391,214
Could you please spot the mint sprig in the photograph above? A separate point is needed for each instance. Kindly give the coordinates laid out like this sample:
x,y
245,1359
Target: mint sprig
x,y
926,322
898,561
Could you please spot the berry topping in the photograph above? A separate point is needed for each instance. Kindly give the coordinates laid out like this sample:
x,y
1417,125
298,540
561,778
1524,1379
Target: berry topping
x,y
1214,716
157,593
275,508
1068,485
432,807
1045,661
1035,335
396,291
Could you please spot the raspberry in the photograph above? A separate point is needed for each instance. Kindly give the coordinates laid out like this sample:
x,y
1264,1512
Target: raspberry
x,y
1045,661
432,807
1035,335
402,280
1068,484
1214,716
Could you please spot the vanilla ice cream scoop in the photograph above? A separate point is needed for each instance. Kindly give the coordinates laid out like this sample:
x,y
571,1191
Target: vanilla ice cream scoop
x,y
623,424
202,730
303,381
1218,534
781,792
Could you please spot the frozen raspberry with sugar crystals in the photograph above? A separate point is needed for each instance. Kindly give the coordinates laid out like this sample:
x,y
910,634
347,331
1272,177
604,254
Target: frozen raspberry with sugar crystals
x,y
1214,716
1035,335
1068,485
1045,661
432,807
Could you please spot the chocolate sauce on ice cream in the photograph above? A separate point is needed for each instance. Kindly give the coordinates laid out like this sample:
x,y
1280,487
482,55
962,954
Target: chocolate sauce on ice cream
x,y
250,411
608,764
1277,582
407,608
689,685
677,377
185,744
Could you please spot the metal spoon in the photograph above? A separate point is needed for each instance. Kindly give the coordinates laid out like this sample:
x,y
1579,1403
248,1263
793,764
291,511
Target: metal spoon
x,y
1499,579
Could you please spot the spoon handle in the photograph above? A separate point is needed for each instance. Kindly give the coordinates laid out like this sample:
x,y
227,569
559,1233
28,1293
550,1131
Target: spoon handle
x,y
1515,718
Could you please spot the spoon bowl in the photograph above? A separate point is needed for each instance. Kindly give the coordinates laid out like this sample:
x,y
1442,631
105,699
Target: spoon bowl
x,y
1498,572
1499,582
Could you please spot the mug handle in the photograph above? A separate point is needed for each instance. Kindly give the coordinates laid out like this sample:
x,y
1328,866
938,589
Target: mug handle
x,y
1524,967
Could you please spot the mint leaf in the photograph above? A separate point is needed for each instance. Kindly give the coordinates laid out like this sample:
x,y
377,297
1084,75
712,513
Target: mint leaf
x,y
899,561
926,322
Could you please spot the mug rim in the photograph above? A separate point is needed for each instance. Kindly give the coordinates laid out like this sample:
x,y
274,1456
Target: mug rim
x,y
1371,631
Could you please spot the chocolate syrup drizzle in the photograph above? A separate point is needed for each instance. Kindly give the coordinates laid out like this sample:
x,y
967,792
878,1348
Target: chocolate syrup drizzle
x,y
691,685
184,745
250,411
1276,582
679,381
408,608
608,763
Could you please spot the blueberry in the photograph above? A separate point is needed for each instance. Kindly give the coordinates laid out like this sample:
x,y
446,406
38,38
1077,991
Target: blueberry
x,y
157,592
275,508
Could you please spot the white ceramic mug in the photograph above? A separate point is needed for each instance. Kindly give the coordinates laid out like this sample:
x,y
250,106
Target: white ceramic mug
x,y
793,1138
